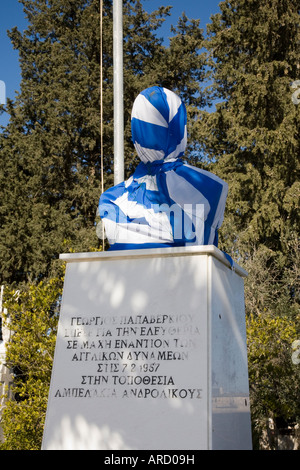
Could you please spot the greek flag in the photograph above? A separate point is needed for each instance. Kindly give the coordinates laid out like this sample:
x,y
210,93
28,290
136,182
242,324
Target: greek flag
x,y
166,202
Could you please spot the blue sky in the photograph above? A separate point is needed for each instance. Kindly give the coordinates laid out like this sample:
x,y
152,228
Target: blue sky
x,y
196,9
11,14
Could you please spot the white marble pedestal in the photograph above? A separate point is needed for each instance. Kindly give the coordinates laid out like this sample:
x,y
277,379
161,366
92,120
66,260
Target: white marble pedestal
x,y
151,353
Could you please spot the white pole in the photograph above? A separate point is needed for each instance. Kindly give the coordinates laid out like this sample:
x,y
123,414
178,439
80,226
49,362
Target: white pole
x,y
118,91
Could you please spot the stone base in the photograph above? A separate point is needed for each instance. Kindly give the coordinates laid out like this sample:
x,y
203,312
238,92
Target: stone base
x,y
151,353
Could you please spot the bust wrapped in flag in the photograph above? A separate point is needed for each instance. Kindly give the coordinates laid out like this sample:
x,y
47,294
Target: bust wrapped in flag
x,y
166,202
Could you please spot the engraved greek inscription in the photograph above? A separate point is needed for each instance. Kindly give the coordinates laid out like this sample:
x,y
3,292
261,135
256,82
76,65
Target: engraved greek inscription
x,y
94,379
127,355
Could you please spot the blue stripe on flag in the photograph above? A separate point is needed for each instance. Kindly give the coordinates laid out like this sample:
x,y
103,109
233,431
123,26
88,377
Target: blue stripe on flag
x,y
149,135
157,97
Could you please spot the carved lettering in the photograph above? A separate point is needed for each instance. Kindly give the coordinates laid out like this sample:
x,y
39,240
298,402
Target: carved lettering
x,y
127,356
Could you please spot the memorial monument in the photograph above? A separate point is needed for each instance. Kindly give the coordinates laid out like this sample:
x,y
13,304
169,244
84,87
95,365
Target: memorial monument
x,y
151,347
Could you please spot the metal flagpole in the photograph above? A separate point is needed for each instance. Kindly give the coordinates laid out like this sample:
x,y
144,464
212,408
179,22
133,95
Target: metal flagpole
x,y
118,91
101,114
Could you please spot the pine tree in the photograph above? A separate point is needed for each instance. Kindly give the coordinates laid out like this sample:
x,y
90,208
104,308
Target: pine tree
x,y
50,170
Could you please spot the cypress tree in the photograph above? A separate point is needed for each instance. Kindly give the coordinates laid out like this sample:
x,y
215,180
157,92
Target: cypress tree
x,y
252,140
253,137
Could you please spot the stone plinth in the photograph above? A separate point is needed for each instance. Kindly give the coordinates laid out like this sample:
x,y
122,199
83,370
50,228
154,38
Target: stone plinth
x,y
151,353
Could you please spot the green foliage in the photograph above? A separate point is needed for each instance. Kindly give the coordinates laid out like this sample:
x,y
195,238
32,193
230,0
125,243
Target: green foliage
x,y
33,316
254,134
50,166
252,141
274,378
273,324
50,172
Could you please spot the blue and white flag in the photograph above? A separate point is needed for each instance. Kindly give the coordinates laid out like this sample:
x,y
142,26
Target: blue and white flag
x,y
166,202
